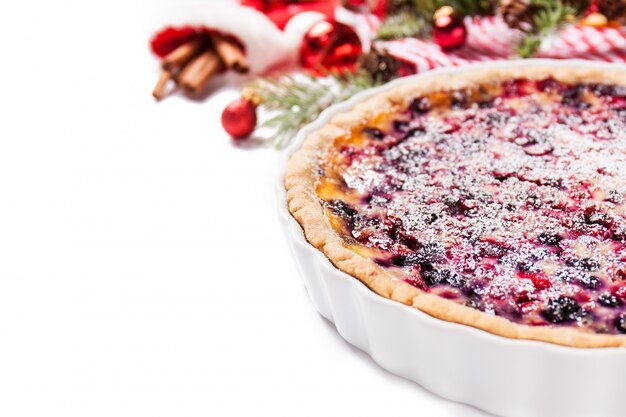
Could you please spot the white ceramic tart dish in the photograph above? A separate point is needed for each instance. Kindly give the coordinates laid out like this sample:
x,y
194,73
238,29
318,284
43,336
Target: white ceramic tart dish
x,y
482,209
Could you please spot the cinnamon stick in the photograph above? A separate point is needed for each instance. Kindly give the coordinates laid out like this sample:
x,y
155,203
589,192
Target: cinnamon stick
x,y
196,74
230,53
180,56
159,89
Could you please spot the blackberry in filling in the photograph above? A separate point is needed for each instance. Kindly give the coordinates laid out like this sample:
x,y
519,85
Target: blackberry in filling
x,y
508,198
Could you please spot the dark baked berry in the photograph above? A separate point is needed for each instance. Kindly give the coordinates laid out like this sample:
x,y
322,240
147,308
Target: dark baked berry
x,y
620,323
434,276
597,217
547,238
589,281
341,209
455,280
398,260
456,204
432,252
420,105
374,133
609,300
584,264
430,218
411,133
428,253
562,309
583,279
548,85
574,97
459,99
492,250
401,126
527,266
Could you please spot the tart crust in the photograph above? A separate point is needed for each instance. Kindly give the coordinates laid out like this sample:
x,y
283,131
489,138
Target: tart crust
x,y
303,203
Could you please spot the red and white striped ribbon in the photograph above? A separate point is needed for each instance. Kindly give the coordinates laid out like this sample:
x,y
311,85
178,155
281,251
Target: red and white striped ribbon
x,y
490,39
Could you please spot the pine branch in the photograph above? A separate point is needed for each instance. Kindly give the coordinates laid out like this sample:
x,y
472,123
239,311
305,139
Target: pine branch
x,y
414,18
405,24
551,15
468,7
426,8
290,102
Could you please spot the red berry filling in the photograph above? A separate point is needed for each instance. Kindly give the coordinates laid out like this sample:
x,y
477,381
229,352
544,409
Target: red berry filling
x,y
510,199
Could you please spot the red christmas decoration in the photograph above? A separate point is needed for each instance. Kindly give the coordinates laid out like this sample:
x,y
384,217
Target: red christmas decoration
x,y
281,11
449,31
239,118
170,38
266,5
330,46
380,8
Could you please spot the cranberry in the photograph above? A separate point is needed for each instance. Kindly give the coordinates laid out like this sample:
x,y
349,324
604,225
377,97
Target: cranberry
x,y
549,85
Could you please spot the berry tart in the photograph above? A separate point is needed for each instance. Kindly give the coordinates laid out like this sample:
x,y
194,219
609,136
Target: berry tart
x,y
492,198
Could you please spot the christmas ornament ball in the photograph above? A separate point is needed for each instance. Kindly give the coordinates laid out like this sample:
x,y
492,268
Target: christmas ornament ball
x,y
239,118
449,31
330,46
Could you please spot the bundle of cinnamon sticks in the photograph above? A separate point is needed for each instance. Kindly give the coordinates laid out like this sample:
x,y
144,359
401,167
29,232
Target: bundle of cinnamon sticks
x,y
193,64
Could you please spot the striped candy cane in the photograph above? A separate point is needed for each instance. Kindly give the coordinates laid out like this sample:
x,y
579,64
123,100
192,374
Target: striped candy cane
x,y
490,39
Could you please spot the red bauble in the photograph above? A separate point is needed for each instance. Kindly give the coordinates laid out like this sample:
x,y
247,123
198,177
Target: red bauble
x,y
449,31
330,46
265,5
239,118
170,38
281,11
380,9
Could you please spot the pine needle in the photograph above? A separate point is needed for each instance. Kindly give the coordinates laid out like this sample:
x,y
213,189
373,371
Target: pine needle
x,y
292,101
551,15
405,24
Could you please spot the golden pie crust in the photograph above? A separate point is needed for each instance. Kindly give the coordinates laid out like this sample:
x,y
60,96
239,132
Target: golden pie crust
x,y
304,205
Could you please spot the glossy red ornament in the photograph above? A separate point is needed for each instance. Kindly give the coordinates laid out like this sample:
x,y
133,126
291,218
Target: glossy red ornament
x,y
266,5
380,8
330,46
239,118
281,11
449,31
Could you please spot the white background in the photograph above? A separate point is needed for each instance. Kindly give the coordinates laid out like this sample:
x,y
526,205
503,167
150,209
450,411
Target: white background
x,y
142,269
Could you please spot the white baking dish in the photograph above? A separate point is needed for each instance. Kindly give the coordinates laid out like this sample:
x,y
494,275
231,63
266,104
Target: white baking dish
x,y
503,376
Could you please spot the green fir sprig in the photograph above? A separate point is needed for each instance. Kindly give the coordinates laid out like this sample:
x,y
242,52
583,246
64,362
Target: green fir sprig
x,y
551,15
414,18
405,24
290,102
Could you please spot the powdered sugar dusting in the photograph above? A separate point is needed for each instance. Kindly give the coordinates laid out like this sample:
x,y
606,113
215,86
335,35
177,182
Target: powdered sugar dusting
x,y
514,204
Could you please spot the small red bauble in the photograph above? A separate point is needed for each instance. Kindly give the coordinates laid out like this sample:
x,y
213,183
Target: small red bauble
x,y
330,46
449,31
239,118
